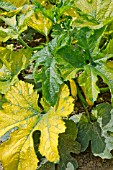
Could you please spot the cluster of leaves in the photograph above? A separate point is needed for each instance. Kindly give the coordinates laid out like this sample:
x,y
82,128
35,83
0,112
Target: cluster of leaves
x,y
40,84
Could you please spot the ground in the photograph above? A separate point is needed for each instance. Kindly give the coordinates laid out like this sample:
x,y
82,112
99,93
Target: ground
x,y
87,161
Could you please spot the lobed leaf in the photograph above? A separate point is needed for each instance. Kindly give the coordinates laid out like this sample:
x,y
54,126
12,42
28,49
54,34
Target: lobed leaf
x,y
22,112
68,145
93,14
49,73
105,119
90,132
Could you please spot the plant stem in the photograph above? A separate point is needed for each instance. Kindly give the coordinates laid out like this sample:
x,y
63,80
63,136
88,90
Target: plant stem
x,y
27,46
105,89
37,48
47,39
83,101
23,42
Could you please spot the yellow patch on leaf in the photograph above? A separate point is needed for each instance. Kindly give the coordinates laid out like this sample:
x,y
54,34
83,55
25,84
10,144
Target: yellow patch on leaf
x,y
89,102
40,23
18,3
22,112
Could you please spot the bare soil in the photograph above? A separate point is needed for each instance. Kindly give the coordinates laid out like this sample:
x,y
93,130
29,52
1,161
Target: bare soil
x,y
87,161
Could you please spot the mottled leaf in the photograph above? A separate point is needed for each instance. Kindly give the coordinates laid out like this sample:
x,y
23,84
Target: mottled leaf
x,y
17,3
105,120
51,82
109,48
7,6
105,72
13,63
21,111
46,69
6,34
93,14
40,23
9,21
87,80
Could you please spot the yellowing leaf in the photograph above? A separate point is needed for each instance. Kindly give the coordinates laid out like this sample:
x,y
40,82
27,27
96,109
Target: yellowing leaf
x,y
73,88
12,65
21,105
17,3
87,80
93,13
110,64
22,112
89,102
40,23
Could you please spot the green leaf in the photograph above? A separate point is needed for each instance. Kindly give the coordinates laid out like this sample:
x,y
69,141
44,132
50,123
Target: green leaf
x,y
70,61
66,69
67,145
90,132
71,55
51,82
22,112
88,40
87,80
103,110
49,73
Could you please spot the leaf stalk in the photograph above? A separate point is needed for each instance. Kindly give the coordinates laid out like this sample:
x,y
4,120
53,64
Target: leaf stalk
x,y
83,101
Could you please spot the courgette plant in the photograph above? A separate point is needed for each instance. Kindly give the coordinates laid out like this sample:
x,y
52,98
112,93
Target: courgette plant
x,y
52,55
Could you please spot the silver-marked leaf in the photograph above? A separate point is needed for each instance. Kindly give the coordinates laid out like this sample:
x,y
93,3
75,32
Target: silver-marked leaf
x,y
46,69
87,80
105,120
93,14
22,114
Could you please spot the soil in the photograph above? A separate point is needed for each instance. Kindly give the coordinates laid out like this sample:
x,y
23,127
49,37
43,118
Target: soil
x,y
86,161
